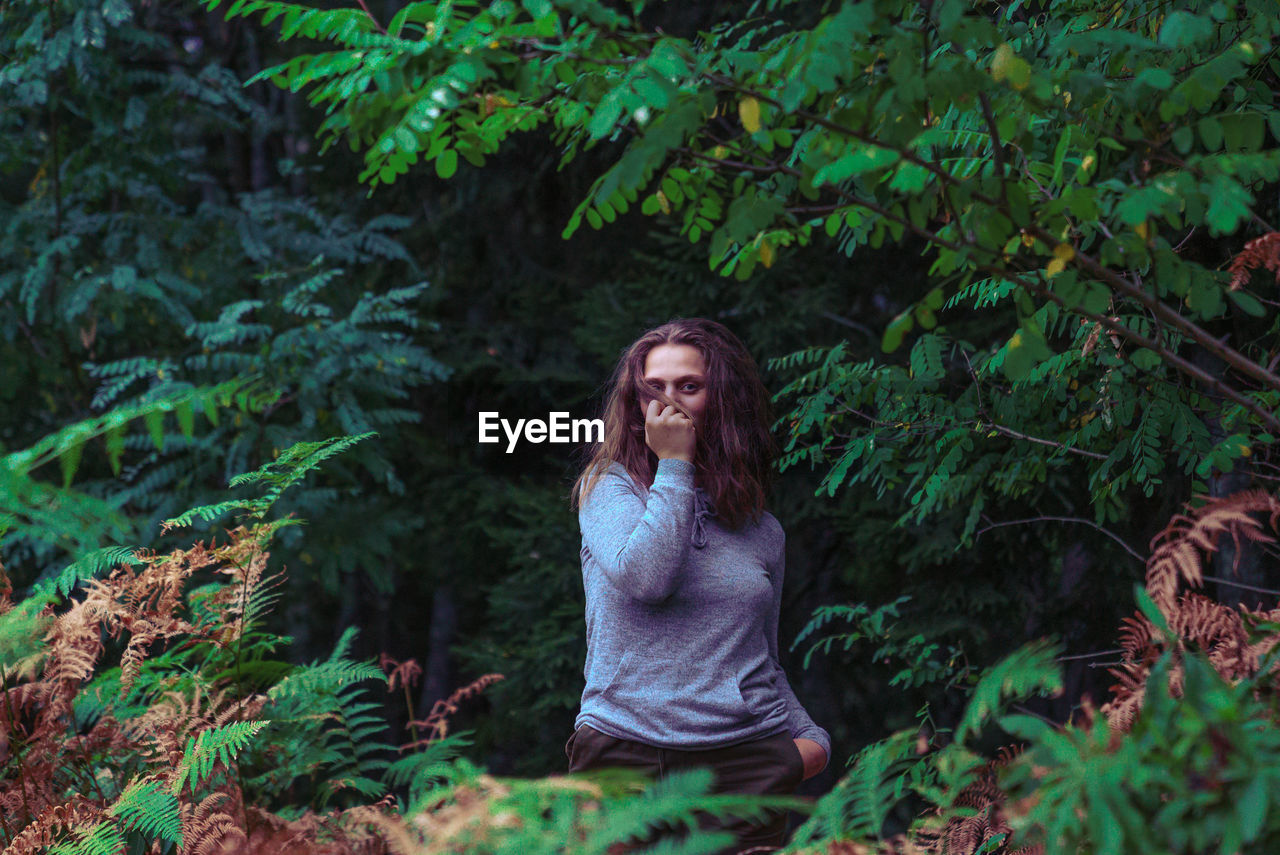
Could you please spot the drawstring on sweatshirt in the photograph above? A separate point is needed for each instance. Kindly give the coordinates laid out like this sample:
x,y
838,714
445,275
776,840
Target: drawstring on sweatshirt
x,y
702,510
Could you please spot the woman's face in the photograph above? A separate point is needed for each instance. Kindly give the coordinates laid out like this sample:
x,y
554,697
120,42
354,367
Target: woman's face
x,y
679,371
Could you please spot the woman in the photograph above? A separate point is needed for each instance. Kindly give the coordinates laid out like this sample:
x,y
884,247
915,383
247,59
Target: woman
x,y
683,569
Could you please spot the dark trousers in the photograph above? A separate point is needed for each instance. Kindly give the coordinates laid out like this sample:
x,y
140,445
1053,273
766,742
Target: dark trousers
x,y
771,765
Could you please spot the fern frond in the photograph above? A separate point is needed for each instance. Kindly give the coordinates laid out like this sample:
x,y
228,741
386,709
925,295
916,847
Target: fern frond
x,y
148,806
295,462
102,838
88,566
205,750
324,677
672,800
859,805
1031,670
44,829
425,769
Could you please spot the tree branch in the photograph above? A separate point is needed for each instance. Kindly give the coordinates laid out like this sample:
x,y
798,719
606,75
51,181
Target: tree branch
x,y
1127,548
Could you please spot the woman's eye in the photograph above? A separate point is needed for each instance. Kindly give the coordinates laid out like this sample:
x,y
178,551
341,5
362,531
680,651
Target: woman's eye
x,y
690,387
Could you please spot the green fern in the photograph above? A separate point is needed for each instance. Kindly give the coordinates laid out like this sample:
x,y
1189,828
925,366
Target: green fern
x,y
103,838
88,566
323,728
355,741
1031,670
883,775
320,677
35,511
425,769
926,358
673,801
147,806
208,748
870,623
291,466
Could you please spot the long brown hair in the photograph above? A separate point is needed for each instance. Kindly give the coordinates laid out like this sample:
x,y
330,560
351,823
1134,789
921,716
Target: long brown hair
x,y
735,450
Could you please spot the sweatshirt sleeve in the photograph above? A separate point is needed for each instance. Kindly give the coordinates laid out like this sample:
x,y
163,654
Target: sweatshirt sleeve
x,y
802,726
641,544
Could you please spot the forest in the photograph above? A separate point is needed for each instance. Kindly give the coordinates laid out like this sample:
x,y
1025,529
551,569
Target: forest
x,y
1010,270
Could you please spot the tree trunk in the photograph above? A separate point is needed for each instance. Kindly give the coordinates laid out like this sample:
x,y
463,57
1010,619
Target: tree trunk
x,y
1246,567
437,680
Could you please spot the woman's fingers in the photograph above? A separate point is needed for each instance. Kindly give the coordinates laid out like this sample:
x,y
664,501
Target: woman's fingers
x,y
656,410
668,432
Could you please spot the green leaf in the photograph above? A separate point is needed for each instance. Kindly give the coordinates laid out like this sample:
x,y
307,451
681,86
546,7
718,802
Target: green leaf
x,y
1183,138
185,413
1211,132
1029,671
1025,350
897,328
1248,303
209,406
155,425
862,159
1156,78
606,115
447,163
1181,29
70,462
1252,807
113,437
1145,358
1148,607
538,8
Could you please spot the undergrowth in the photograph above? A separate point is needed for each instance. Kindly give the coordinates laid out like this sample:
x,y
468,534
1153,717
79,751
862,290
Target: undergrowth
x,y
146,707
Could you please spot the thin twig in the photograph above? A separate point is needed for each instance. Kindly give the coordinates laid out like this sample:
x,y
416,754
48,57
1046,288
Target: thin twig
x,y
1091,523
1242,586
1013,433
1093,655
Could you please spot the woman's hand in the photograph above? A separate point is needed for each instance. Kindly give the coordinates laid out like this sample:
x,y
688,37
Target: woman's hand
x,y
815,758
668,432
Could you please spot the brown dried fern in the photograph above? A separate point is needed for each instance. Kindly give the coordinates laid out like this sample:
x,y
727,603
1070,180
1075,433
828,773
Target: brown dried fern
x,y
437,721
961,835
1220,631
48,826
1259,252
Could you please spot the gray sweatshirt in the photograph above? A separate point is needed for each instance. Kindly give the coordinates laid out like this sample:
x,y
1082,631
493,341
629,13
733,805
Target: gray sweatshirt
x,y
682,618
